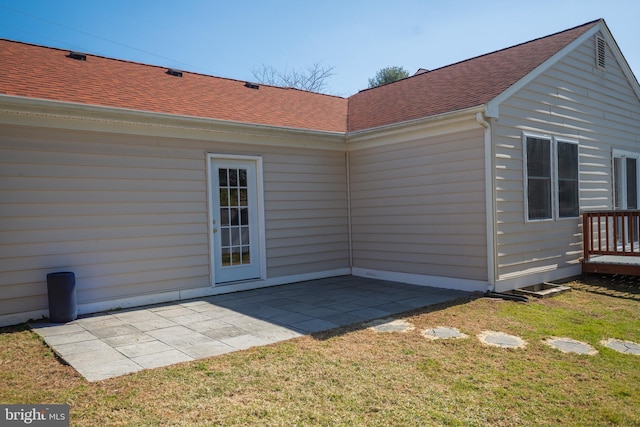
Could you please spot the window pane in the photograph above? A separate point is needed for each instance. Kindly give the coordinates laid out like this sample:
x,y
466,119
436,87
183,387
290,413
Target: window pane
x,y
568,188
539,198
567,160
568,199
538,178
538,157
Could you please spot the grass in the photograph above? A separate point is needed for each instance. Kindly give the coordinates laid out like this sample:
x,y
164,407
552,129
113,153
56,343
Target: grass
x,y
353,376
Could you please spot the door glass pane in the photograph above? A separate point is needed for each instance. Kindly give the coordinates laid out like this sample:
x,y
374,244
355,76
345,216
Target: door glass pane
x,y
224,197
222,176
233,197
236,256
233,177
235,216
617,178
245,235
632,184
224,217
226,256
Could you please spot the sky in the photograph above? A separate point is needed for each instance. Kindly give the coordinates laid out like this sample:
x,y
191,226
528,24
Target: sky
x,y
356,37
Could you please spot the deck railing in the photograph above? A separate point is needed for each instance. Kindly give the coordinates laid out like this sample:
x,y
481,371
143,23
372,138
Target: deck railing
x,y
611,233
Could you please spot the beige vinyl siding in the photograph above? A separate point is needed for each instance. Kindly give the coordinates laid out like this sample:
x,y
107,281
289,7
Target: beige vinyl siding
x,y
571,100
419,207
129,214
306,212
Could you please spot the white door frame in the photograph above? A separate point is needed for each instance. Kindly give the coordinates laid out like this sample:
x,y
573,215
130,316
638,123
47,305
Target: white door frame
x,y
212,192
623,154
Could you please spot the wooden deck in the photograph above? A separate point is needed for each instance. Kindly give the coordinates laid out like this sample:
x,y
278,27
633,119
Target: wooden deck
x,y
612,264
611,242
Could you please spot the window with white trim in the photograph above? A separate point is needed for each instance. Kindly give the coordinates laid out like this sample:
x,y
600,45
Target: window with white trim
x,y
551,178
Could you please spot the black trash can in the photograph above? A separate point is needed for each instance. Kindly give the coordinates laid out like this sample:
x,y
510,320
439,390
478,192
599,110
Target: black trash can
x,y
61,288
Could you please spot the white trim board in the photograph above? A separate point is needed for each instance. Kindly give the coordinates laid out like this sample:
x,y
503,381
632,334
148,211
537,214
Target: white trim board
x,y
530,278
423,280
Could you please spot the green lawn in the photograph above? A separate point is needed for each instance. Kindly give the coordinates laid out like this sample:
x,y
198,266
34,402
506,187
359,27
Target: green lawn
x,y
354,376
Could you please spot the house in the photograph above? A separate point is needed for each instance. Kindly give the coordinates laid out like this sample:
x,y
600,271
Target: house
x,y
155,185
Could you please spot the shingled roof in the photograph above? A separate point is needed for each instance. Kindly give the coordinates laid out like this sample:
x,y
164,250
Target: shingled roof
x,y
50,74
455,87
47,73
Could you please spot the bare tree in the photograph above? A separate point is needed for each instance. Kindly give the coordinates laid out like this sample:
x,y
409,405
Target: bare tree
x,y
313,78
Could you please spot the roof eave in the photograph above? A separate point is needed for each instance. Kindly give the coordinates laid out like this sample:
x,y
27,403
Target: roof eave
x,y
113,118
436,124
449,115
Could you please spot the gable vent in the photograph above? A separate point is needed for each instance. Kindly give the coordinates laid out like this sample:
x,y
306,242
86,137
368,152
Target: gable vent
x,y
174,72
601,53
77,55
251,85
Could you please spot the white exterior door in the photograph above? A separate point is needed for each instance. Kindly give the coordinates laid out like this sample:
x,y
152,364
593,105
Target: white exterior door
x,y
236,216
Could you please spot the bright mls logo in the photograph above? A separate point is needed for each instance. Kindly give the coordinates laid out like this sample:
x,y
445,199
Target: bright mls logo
x,y
36,415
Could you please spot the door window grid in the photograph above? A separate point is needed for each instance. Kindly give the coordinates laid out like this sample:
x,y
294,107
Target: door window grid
x,y
234,216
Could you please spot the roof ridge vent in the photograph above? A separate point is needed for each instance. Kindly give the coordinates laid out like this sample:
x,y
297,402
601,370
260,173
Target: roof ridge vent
x,y
77,55
174,72
252,85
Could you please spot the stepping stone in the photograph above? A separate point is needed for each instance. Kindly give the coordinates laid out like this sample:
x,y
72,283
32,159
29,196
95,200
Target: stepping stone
x,y
500,339
568,345
388,325
627,347
443,332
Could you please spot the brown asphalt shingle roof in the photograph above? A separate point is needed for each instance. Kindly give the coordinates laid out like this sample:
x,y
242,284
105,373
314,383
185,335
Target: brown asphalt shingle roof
x,y
462,85
46,73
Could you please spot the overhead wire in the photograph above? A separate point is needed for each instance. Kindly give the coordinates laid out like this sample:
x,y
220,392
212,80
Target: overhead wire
x,y
191,66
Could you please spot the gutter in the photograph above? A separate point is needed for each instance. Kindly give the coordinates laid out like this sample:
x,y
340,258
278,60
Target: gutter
x,y
383,130
490,197
46,108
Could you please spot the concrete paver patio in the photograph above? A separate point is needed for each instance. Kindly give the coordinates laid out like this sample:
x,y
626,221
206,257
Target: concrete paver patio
x,y
120,342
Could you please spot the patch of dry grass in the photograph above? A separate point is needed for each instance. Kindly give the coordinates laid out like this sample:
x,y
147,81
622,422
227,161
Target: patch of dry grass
x,y
355,376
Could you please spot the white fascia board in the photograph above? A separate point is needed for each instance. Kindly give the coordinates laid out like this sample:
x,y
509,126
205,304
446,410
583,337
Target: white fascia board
x,y
17,110
439,124
493,106
617,53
